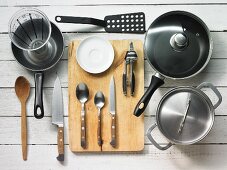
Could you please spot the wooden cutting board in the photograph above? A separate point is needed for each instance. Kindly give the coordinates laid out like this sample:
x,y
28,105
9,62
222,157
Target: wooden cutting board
x,y
130,129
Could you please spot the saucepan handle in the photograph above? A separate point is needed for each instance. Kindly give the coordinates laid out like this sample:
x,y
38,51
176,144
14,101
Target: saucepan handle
x,y
80,20
214,89
38,105
153,141
156,82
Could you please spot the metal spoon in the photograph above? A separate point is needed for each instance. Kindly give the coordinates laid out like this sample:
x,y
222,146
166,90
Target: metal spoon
x,y
22,89
99,101
82,94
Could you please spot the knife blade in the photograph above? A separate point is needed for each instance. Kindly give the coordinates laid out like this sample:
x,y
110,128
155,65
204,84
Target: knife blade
x,y
57,117
112,112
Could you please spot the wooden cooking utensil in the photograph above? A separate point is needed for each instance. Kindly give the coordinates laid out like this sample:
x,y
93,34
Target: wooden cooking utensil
x,y
22,88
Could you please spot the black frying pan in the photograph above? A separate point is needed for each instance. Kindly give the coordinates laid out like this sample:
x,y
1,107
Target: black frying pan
x,y
39,66
177,46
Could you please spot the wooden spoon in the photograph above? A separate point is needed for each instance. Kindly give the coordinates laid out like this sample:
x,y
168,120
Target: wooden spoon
x,y
22,88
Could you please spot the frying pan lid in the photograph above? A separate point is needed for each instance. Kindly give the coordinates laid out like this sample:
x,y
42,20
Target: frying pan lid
x,y
178,44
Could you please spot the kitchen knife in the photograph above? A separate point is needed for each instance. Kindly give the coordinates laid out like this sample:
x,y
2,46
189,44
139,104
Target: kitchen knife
x,y
112,112
57,117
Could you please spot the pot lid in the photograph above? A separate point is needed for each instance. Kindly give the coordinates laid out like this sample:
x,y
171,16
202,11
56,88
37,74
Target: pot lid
x,y
178,44
175,105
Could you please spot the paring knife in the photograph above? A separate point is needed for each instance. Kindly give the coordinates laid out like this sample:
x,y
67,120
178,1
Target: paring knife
x,y
57,117
112,112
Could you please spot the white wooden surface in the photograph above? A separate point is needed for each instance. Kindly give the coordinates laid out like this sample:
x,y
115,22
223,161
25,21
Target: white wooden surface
x,y
209,154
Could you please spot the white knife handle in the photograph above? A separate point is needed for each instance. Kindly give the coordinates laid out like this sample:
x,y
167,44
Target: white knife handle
x,y
113,131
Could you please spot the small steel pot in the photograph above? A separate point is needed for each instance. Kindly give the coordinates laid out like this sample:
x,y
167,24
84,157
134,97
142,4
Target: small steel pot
x,y
185,115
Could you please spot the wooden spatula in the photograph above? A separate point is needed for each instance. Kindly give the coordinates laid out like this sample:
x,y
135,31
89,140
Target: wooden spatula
x,y
22,88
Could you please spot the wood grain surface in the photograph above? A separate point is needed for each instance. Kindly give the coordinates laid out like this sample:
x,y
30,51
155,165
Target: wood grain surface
x,y
129,129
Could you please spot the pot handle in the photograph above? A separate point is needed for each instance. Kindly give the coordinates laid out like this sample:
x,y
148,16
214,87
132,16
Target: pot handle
x,y
153,141
38,105
80,20
156,82
215,90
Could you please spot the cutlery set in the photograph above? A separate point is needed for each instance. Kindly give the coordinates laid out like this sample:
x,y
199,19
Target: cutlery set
x,y
82,94
172,47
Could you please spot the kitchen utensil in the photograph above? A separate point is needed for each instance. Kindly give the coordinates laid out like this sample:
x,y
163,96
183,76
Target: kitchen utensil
x,y
95,54
177,46
112,112
58,116
130,58
184,118
22,88
199,120
30,30
42,55
82,94
99,101
121,23
130,128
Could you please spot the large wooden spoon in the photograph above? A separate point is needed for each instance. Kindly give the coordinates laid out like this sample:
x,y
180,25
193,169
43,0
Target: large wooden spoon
x,y
22,88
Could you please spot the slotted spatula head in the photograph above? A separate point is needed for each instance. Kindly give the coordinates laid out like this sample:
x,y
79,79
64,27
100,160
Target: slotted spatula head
x,y
126,23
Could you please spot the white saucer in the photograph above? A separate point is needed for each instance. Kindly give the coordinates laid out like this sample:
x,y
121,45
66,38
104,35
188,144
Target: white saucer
x,y
95,54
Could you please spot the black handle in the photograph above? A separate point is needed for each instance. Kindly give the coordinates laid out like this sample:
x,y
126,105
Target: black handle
x,y
38,95
80,20
124,84
133,81
156,82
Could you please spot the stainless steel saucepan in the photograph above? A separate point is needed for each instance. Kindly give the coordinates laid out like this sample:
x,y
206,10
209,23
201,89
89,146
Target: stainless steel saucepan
x,y
185,115
177,46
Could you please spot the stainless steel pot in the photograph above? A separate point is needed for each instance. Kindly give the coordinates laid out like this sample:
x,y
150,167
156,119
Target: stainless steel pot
x,y
177,45
185,115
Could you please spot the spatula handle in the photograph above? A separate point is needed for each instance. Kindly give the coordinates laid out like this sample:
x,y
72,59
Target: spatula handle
x,y
80,20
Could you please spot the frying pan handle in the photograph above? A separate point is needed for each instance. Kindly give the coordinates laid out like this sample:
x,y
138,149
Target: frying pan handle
x,y
153,141
215,90
80,20
156,82
39,95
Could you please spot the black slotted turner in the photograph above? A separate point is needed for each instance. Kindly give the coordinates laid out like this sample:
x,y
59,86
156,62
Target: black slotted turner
x,y
121,23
